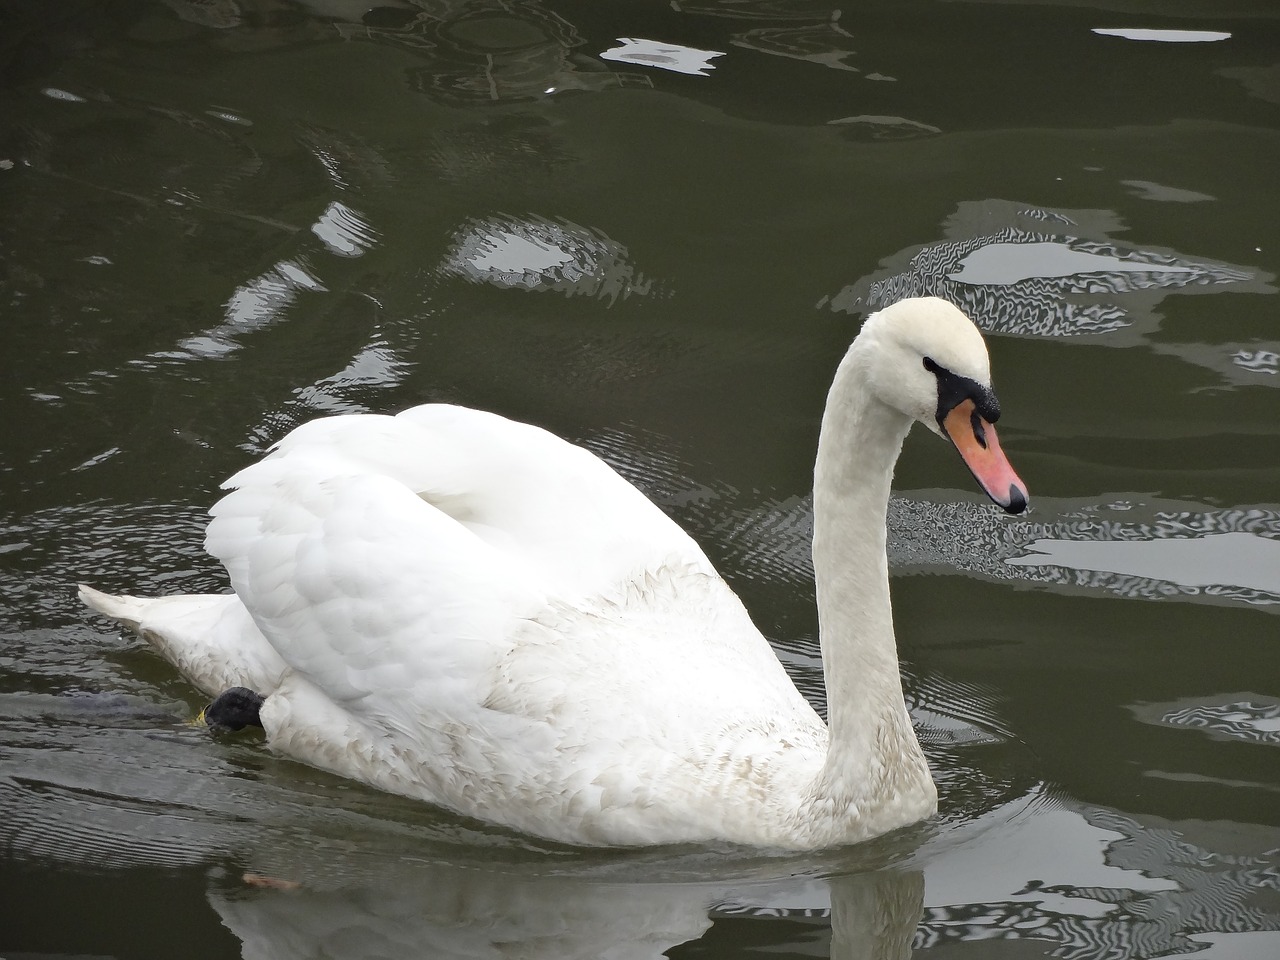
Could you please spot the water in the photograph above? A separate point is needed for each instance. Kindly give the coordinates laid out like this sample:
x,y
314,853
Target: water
x,y
223,218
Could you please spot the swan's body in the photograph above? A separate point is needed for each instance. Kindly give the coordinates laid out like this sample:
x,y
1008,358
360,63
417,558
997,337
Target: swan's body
x,y
457,607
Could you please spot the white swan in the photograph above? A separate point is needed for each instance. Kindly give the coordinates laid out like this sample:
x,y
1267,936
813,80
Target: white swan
x,y
453,606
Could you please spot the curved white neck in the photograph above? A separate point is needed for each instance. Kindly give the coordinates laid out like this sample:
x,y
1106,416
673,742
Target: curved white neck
x,y
872,744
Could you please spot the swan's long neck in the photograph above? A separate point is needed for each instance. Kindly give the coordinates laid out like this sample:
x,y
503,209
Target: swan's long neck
x,y
873,754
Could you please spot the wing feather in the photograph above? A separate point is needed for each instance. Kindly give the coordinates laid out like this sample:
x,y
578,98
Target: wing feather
x,y
403,556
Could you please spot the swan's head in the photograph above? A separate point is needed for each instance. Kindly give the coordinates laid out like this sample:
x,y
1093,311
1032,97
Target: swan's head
x,y
931,363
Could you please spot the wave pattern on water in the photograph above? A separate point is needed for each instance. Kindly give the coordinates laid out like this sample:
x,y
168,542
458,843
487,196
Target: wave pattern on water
x,y
773,542
1021,278
146,545
533,253
1243,717
1210,893
486,51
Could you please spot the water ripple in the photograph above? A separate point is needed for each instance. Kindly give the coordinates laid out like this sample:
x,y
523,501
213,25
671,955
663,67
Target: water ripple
x,y
1010,273
1150,551
1243,717
533,253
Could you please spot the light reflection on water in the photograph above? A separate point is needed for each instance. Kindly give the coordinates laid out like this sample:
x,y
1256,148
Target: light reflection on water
x,y
1029,271
536,254
1224,560
1152,551
664,56
1244,717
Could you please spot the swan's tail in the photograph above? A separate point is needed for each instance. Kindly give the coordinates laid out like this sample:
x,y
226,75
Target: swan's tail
x,y
128,610
210,638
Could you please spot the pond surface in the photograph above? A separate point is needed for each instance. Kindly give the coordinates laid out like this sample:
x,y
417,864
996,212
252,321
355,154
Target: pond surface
x,y
653,228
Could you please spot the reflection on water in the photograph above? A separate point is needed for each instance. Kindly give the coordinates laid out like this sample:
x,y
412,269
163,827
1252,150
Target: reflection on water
x,y
1246,717
866,127
531,253
825,43
1238,364
102,770
1230,560
1164,36
776,10
1257,361
253,306
664,56
803,30
1034,272
335,869
1150,551
446,912
119,781
374,368
1148,190
477,51
1261,82
1186,554
468,51
1179,891
344,231
219,14
1008,263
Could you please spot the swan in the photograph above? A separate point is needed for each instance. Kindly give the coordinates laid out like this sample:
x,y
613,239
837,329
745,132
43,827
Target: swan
x,y
460,608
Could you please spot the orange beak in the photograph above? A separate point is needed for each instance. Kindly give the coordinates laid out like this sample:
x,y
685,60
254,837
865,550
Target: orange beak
x,y
975,440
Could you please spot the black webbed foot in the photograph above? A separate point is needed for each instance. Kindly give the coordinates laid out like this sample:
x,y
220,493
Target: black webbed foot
x,y
233,710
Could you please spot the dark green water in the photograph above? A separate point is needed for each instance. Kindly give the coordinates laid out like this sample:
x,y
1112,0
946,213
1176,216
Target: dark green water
x,y
219,218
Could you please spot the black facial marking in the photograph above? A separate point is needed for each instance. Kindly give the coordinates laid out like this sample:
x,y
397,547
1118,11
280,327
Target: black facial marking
x,y
954,389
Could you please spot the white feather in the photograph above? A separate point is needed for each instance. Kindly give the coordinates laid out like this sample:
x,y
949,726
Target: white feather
x,y
454,606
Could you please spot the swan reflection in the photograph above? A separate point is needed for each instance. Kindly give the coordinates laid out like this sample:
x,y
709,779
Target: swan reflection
x,y
318,869
443,911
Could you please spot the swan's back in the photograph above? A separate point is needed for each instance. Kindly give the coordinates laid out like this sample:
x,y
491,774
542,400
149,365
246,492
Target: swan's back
x,y
487,616
516,487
